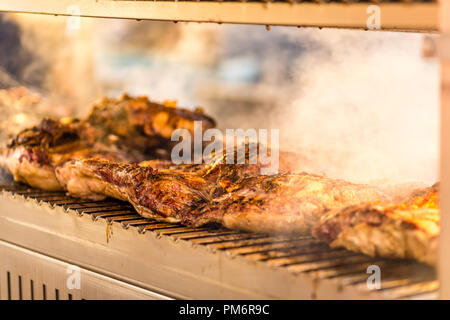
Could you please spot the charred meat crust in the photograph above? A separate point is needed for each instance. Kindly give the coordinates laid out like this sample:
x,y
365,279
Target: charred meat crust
x,y
407,230
51,143
47,134
154,194
35,155
278,203
142,124
334,223
338,221
127,114
377,214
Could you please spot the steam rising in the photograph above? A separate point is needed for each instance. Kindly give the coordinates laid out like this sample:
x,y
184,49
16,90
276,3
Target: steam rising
x,y
361,106
366,106
60,66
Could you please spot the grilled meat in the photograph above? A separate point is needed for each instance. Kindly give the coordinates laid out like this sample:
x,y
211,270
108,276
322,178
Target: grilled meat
x,y
281,203
395,230
217,177
423,198
32,156
141,124
95,158
122,130
244,164
275,204
163,196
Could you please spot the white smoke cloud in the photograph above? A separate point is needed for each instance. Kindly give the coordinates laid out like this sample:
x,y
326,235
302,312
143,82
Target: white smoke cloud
x,y
362,105
365,107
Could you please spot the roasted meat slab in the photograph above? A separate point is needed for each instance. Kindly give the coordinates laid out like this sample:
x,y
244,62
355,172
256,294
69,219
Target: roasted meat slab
x,y
121,130
98,157
160,195
33,154
409,229
274,204
143,125
282,203
245,163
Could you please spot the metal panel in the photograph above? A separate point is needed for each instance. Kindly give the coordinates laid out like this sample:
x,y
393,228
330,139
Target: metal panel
x,y
401,16
27,275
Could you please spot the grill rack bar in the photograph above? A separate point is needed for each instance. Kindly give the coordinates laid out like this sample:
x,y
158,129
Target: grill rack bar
x,y
401,279
416,15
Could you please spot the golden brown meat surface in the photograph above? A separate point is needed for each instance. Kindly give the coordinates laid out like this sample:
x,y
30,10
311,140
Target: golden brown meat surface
x,y
407,230
162,196
283,203
142,124
275,204
95,158
31,157
121,130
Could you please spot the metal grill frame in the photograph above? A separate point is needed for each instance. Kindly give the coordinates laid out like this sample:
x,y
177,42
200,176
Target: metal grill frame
x,y
398,16
197,263
416,16
47,280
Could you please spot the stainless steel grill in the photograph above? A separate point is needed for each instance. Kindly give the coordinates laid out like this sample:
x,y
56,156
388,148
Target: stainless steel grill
x,y
298,256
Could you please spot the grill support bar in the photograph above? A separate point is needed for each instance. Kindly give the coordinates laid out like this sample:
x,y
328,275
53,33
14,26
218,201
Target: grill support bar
x,y
444,252
419,16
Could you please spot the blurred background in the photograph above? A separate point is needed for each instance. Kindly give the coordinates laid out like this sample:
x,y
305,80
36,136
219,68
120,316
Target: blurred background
x,y
359,105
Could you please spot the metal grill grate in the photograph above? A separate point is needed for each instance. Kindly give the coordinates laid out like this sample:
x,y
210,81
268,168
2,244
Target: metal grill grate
x,y
297,254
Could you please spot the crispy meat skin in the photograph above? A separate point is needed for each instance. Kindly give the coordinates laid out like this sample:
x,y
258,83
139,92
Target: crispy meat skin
x,y
34,153
244,164
281,203
396,230
159,195
122,130
274,204
89,159
142,124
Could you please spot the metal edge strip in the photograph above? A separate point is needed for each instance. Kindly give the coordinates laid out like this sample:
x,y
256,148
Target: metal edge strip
x,y
399,16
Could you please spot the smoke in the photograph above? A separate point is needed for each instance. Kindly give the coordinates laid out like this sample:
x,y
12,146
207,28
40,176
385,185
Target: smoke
x,y
361,106
163,60
57,64
17,62
364,106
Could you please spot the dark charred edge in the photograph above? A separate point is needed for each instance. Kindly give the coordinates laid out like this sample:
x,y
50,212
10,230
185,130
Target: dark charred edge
x,y
337,221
